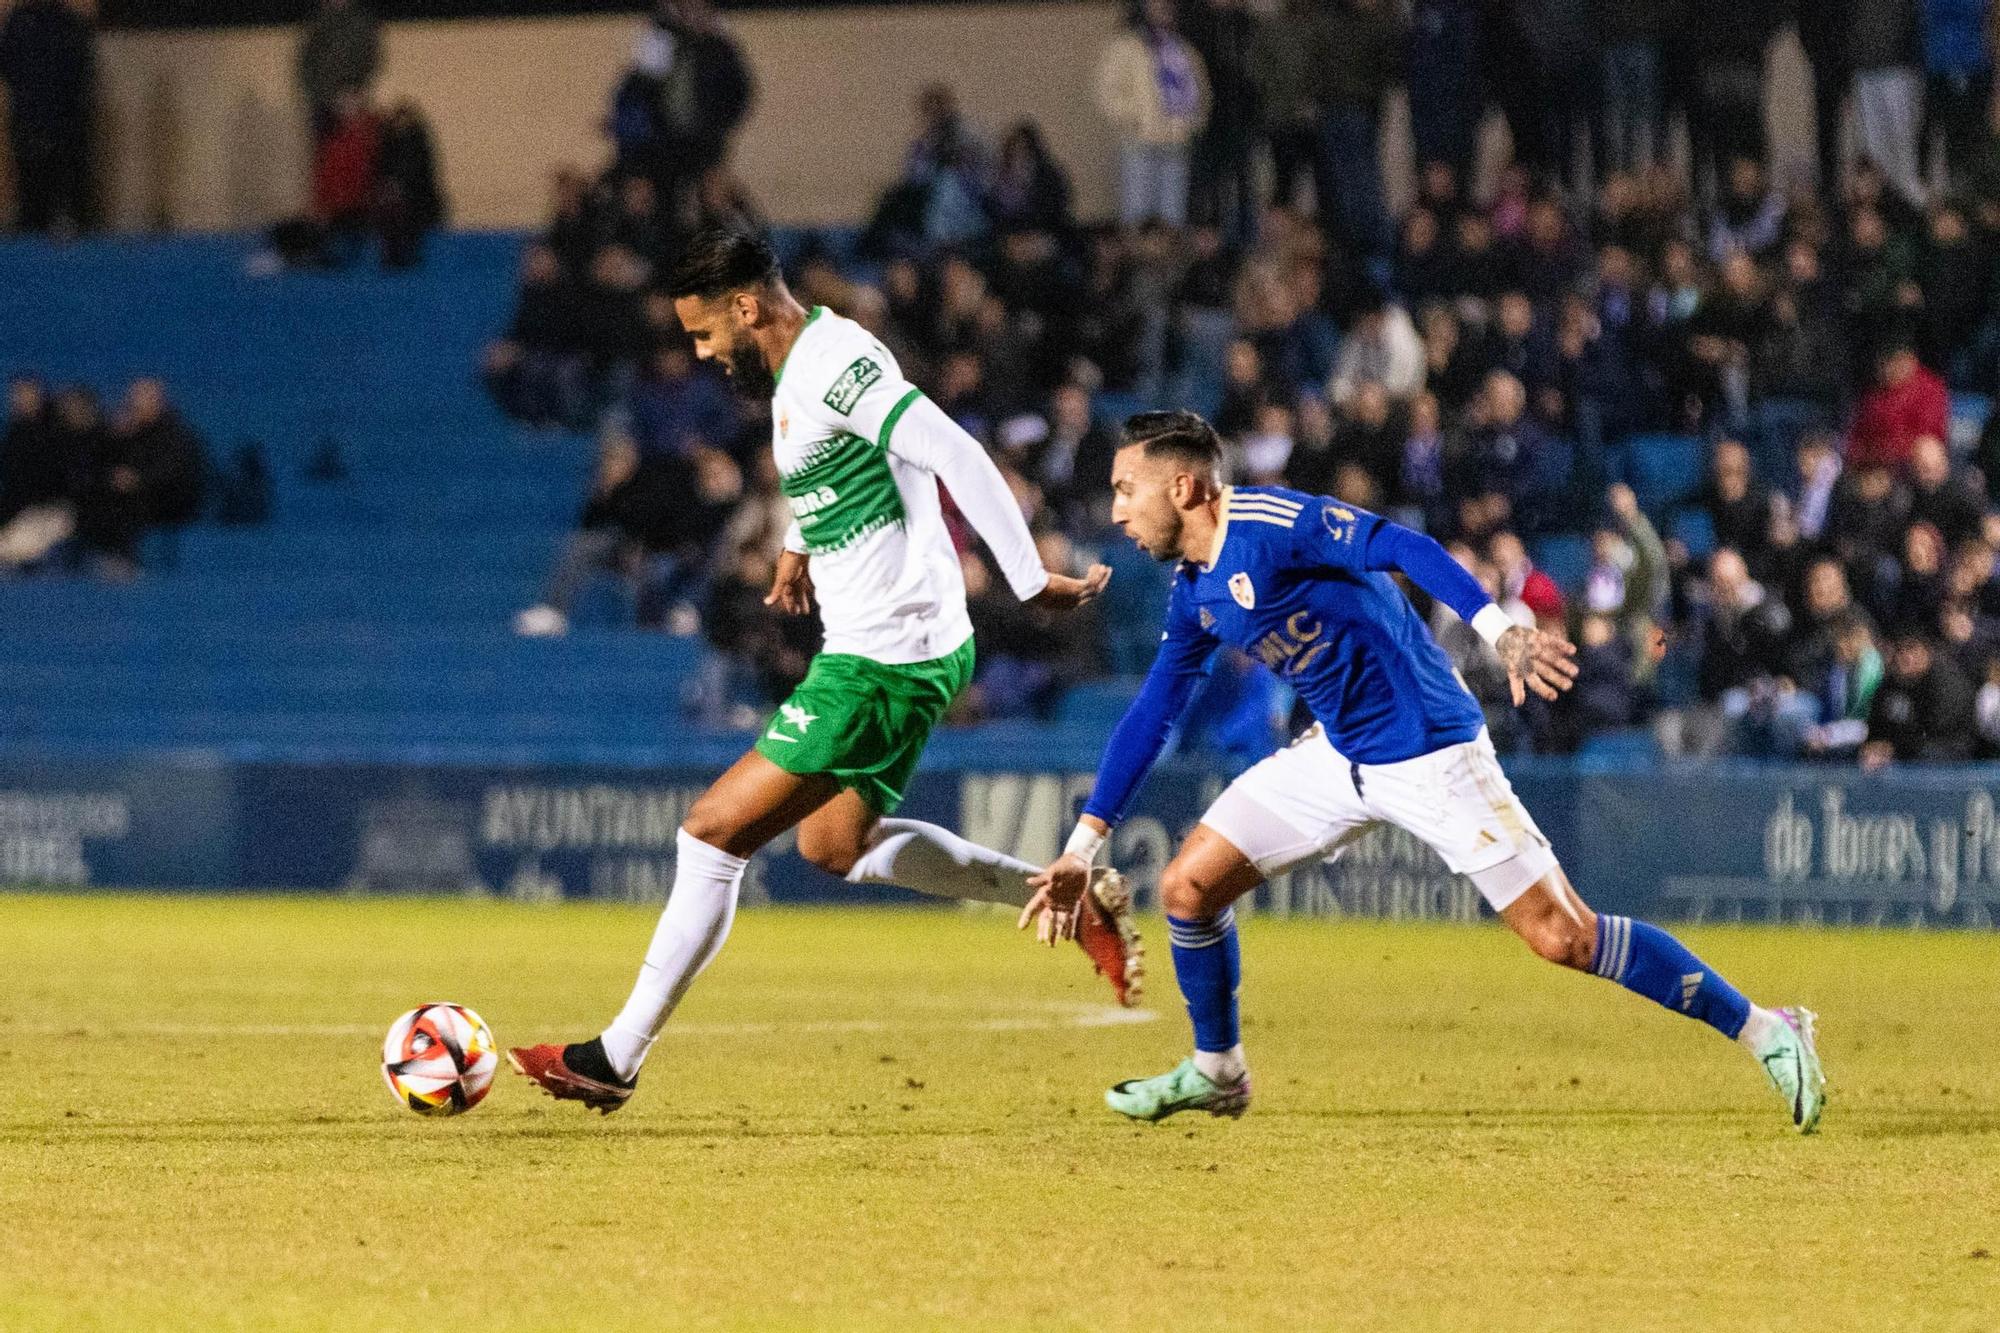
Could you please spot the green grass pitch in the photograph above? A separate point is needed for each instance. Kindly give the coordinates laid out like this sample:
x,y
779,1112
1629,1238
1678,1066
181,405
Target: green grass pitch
x,y
889,1119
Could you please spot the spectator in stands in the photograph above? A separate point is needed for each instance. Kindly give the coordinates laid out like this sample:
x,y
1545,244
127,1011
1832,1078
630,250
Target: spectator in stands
x,y
1358,56
1803,353
1907,402
1811,493
150,474
1923,712
1748,217
1870,512
1603,697
340,52
654,511
1958,40
1281,67
344,176
1626,584
409,201
692,67
35,513
1725,42
1521,584
1737,504
1381,348
538,372
1223,189
48,62
1951,277
1845,693
1153,90
1443,60
1884,47
1509,455
1030,191
940,199
1945,497
1741,629
1629,90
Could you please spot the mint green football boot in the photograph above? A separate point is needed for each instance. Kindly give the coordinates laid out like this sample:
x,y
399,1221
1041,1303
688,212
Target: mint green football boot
x,y
1182,1088
1792,1064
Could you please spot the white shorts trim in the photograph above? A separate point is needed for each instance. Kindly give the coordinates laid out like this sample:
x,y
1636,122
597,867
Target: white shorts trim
x,y
1307,802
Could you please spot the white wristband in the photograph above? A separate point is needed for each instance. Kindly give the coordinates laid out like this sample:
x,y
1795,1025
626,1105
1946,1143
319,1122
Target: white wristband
x,y
1492,622
1085,842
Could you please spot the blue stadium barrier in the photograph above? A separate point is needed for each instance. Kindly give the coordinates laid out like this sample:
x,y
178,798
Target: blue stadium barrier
x,y
1803,845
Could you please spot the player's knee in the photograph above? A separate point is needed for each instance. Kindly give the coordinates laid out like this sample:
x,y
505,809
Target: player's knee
x,y
833,852
1182,895
708,822
1562,939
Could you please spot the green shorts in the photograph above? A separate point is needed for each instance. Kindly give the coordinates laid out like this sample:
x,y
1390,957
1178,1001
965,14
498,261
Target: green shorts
x,y
864,722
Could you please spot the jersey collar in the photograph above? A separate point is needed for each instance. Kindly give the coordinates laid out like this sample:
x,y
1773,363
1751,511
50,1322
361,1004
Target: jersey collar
x,y
811,315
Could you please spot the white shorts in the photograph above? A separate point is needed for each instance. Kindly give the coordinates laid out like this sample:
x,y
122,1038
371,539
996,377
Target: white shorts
x,y
1308,801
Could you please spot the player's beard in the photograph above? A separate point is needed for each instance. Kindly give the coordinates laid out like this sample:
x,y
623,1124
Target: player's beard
x,y
748,372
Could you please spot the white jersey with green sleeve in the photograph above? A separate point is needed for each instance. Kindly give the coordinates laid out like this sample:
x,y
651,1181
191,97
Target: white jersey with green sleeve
x,y
860,453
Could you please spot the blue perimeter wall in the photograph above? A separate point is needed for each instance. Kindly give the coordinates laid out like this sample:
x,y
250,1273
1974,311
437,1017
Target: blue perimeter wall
x,y
1709,842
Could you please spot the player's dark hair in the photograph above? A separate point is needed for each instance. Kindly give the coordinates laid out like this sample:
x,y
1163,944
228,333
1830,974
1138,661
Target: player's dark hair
x,y
717,261
1179,435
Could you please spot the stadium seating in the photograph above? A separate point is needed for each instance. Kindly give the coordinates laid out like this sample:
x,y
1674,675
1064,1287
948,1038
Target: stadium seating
x,y
1665,469
372,612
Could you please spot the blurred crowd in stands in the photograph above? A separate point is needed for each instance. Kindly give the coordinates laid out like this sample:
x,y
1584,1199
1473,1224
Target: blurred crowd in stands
x,y
82,487
1722,428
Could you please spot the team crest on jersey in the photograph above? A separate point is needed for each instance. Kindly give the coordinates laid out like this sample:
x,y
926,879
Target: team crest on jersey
x,y
1207,618
853,382
1240,589
1339,522
784,424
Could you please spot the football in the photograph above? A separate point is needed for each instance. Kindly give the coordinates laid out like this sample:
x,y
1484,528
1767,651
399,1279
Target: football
x,y
439,1059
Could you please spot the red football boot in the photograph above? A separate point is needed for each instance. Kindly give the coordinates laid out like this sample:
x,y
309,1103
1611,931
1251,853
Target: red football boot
x,y
1106,931
556,1069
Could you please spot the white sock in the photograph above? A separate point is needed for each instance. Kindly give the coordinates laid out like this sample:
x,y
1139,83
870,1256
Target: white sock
x,y
933,860
1759,1028
691,931
1222,1068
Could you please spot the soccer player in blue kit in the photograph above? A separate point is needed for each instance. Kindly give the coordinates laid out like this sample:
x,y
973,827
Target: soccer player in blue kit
x,y
1302,583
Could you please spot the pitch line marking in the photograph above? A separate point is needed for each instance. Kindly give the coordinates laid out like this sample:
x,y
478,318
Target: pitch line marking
x,y
1053,1017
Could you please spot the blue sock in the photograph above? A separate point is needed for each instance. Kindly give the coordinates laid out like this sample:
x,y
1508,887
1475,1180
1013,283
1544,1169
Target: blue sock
x,y
1652,963
1209,968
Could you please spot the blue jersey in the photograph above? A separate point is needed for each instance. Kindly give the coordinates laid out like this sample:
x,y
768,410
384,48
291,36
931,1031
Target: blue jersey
x,y
1298,582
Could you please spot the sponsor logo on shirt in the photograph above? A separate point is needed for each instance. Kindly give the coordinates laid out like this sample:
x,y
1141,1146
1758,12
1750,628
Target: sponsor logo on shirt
x,y
853,382
806,507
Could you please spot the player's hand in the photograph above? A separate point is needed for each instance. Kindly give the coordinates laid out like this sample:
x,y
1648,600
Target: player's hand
x,y
1064,593
1538,661
1058,889
791,585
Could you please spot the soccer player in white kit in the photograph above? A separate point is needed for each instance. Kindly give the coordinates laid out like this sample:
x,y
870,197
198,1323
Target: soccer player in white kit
x,y
860,455
1302,583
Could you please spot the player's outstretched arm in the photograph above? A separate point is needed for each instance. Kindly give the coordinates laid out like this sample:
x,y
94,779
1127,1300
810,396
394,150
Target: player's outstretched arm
x,y
1064,593
1134,747
924,435
1535,659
